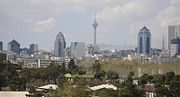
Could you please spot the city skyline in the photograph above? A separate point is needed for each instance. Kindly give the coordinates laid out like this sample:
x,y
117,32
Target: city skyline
x,y
38,21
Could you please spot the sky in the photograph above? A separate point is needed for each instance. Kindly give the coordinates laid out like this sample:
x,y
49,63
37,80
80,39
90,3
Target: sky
x,y
39,21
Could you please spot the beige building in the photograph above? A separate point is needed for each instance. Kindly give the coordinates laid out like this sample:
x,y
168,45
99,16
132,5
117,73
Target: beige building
x,y
173,32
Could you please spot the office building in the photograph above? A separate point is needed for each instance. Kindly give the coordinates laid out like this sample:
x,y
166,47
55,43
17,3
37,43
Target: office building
x,y
175,47
14,46
173,33
144,41
33,48
1,46
59,45
77,50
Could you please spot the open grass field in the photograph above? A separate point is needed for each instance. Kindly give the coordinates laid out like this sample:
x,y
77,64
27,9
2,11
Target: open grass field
x,y
124,67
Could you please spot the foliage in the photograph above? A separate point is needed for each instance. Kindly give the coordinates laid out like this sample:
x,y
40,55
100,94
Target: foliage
x,y
99,74
128,89
96,67
145,79
112,75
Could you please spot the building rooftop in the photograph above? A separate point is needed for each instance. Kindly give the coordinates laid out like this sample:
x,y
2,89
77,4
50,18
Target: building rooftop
x,y
144,32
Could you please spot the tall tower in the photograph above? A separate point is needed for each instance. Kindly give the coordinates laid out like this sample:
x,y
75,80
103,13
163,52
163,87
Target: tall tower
x,y
95,24
59,45
173,33
144,41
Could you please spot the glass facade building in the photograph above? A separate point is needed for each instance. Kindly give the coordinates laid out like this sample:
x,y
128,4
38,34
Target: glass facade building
x,y
14,46
144,41
59,45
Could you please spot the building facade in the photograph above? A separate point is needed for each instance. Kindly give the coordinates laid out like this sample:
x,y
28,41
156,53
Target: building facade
x,y
33,48
144,41
59,45
77,49
14,46
1,46
173,33
175,47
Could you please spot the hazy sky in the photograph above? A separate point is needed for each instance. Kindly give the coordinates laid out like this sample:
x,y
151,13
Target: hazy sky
x,y
39,21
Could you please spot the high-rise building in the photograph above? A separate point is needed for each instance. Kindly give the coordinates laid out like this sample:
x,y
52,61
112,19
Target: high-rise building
x,y
1,45
77,49
59,45
173,33
14,46
175,47
163,44
33,48
144,41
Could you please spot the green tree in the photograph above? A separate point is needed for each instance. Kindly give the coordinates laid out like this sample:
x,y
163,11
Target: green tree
x,y
112,75
99,74
145,79
96,67
53,72
71,64
128,89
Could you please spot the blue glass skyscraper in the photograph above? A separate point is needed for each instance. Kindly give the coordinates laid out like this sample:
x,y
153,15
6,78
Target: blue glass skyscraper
x,y
59,45
144,41
14,46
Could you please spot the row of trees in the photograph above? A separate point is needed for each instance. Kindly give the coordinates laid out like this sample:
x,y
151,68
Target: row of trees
x,y
17,78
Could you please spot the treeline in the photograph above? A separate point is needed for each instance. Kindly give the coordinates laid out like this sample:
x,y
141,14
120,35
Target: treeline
x,y
14,77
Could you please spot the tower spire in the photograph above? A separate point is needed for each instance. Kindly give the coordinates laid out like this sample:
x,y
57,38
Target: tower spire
x,y
95,24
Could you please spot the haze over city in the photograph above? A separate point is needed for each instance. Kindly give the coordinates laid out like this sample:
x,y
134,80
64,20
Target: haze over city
x,y
39,21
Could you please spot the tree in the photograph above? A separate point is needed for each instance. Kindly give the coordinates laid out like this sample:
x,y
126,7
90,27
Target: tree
x,y
53,72
71,64
99,74
72,68
112,75
145,79
128,89
96,67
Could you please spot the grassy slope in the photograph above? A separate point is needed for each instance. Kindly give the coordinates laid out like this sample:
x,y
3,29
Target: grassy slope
x,y
124,67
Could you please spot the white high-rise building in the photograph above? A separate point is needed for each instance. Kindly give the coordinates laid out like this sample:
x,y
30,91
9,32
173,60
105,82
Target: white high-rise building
x,y
77,49
59,45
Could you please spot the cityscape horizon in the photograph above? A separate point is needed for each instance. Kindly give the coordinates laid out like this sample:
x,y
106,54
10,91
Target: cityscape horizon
x,y
119,21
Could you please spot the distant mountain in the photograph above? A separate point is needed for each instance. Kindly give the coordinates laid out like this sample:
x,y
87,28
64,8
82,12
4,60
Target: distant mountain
x,y
118,47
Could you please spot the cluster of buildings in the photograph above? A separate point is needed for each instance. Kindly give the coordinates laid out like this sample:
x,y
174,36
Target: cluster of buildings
x,y
33,57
